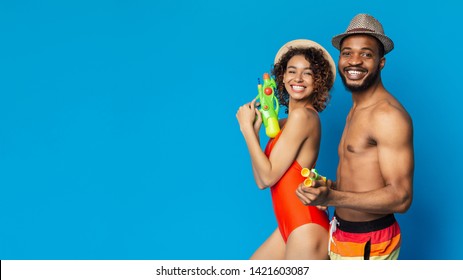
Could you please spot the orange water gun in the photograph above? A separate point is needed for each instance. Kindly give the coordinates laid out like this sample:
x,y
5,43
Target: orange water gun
x,y
305,172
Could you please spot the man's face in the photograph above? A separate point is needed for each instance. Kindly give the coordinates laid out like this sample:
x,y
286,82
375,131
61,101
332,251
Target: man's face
x,y
359,62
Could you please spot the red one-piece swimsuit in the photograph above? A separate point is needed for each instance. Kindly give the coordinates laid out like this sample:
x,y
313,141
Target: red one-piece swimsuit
x,y
289,210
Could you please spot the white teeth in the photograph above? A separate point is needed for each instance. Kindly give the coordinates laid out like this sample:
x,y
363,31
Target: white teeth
x,y
298,87
353,72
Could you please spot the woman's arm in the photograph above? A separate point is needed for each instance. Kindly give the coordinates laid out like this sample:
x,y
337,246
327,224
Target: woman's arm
x,y
268,171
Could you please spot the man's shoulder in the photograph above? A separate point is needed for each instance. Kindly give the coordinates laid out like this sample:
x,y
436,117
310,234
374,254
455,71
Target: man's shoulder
x,y
389,108
390,117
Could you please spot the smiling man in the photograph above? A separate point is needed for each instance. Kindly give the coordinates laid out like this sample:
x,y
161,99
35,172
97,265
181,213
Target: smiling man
x,y
374,177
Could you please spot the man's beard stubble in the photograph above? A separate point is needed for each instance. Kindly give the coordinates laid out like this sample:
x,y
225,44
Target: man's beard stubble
x,y
367,83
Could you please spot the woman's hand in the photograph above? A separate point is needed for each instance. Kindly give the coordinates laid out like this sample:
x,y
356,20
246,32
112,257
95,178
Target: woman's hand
x,y
257,119
249,117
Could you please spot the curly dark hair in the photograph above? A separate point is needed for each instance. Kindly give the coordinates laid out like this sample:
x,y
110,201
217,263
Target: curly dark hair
x,y
322,75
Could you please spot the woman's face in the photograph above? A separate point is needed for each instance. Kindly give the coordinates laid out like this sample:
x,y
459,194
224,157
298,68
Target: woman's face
x,y
298,78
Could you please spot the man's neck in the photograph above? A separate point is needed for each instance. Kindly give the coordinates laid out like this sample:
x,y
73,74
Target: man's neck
x,y
369,96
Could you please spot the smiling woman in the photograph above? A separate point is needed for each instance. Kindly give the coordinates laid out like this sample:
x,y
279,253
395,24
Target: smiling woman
x,y
304,75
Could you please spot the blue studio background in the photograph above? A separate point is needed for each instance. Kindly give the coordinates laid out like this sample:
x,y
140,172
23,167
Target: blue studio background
x,y
118,136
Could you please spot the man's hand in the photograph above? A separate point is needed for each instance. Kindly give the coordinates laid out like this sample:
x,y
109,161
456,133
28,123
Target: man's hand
x,y
316,194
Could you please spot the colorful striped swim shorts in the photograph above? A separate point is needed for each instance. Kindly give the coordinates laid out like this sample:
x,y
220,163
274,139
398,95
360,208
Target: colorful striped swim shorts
x,y
374,240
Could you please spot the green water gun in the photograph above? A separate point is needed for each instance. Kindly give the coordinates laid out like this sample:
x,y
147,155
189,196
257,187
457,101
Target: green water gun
x,y
266,95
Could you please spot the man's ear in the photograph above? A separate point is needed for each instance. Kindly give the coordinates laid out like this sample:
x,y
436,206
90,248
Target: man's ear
x,y
382,62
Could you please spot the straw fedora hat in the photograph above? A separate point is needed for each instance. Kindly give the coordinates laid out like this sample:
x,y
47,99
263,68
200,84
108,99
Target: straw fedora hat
x,y
365,24
304,43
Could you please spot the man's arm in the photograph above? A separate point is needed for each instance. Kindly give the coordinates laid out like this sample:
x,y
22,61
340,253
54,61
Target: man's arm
x,y
396,159
394,138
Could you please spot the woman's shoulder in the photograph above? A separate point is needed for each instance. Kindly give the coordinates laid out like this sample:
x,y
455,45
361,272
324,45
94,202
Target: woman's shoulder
x,y
303,119
303,113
